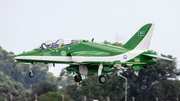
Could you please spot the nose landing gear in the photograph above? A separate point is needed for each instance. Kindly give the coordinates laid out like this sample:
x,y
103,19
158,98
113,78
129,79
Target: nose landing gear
x,y
31,73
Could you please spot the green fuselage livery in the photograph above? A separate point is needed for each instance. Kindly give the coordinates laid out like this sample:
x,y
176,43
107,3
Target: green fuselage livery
x,y
86,56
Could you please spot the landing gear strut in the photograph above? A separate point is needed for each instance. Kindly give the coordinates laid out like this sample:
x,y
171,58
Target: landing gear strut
x,y
78,78
102,79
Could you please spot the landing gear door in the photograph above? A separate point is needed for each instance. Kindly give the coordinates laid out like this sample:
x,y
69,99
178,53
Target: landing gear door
x,y
83,70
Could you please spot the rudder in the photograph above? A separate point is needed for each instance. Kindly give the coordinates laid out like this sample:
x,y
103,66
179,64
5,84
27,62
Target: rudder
x,y
141,39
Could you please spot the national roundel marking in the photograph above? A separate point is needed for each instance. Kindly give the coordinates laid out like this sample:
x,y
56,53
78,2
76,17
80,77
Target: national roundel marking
x,y
125,56
63,53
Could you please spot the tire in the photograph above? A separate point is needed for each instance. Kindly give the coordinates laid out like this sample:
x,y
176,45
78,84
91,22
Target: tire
x,y
102,79
78,78
31,74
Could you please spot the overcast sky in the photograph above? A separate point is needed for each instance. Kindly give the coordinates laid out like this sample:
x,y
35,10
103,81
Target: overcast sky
x,y
25,24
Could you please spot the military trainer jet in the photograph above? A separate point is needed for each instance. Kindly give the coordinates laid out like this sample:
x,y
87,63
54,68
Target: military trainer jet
x,y
87,56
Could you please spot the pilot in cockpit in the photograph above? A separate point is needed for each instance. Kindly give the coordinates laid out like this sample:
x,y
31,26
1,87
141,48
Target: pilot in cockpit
x,y
56,43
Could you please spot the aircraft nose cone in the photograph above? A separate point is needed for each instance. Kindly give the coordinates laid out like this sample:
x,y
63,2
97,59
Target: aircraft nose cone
x,y
30,53
24,56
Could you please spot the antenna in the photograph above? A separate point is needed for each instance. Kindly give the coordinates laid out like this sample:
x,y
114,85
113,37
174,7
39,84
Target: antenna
x,y
92,40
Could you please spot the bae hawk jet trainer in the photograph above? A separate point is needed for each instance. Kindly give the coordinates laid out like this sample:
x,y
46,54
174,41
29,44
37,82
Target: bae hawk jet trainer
x,y
87,56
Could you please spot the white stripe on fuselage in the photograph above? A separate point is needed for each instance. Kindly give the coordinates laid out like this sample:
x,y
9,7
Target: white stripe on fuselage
x,y
46,58
78,59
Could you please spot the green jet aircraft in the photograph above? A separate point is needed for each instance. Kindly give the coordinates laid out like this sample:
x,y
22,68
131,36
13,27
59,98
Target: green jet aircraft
x,y
87,56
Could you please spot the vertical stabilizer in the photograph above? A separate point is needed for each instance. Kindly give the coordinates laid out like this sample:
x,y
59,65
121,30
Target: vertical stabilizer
x,y
142,38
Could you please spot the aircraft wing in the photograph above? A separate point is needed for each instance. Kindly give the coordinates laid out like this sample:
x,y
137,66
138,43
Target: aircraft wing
x,y
157,56
134,65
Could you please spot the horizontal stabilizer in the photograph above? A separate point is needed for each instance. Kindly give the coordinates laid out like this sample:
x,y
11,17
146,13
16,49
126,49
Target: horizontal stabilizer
x,y
157,56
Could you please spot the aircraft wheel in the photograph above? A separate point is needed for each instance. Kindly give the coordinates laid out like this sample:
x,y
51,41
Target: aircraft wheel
x,y
31,74
78,78
102,79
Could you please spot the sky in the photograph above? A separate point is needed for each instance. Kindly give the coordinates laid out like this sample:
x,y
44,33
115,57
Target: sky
x,y
25,24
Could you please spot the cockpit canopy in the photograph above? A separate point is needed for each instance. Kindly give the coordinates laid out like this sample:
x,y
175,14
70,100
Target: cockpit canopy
x,y
57,43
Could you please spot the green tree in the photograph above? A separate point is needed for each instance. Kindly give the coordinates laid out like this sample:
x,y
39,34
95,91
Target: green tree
x,y
106,42
115,44
15,89
66,78
92,89
52,79
53,96
168,90
42,88
6,61
143,83
4,77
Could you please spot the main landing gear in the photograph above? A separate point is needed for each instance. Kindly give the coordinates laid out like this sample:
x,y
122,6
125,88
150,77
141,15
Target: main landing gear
x,y
102,78
31,73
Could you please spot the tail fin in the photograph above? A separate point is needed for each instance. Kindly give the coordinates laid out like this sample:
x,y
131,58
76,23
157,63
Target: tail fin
x,y
141,39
